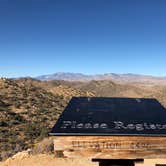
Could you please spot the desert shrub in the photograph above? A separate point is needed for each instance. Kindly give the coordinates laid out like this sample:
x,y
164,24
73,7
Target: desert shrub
x,y
31,130
4,155
19,145
43,133
45,146
27,106
35,130
18,117
17,104
3,124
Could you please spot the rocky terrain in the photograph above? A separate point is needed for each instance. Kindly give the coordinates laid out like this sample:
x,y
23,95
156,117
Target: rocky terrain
x,y
29,108
45,160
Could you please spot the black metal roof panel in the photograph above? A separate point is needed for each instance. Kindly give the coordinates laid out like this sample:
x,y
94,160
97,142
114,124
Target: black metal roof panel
x,y
111,116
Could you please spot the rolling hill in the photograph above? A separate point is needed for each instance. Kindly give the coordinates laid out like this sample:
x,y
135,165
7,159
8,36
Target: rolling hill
x,y
30,107
28,110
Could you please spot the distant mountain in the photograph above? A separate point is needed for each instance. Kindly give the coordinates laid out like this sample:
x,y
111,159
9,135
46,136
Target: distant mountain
x,y
126,78
65,76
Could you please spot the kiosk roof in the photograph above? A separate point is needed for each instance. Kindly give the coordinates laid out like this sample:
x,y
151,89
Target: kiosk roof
x,y
111,116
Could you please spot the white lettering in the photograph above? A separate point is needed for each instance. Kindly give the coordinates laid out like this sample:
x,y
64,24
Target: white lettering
x,y
117,125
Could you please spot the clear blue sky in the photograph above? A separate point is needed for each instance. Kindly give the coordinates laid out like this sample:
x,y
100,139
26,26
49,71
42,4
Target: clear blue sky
x,y
88,36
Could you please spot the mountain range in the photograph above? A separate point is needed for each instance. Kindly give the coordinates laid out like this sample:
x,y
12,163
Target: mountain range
x,y
121,78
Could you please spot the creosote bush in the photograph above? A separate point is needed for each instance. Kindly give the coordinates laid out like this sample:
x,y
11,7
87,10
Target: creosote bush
x,y
45,146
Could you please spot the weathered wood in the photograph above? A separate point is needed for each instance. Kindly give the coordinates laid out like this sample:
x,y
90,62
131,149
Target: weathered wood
x,y
111,147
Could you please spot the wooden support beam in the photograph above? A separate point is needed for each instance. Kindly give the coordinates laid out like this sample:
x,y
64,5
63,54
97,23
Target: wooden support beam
x,y
111,147
117,162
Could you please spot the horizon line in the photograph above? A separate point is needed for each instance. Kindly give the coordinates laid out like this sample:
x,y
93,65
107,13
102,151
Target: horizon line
x,y
86,74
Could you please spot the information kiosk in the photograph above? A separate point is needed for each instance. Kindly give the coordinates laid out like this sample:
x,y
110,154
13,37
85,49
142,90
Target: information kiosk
x,y
112,131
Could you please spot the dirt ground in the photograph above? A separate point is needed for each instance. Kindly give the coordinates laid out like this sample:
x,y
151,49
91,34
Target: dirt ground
x,y
46,160
24,159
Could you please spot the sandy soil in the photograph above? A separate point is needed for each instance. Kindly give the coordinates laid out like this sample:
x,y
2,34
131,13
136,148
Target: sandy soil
x,y
46,160
152,162
25,159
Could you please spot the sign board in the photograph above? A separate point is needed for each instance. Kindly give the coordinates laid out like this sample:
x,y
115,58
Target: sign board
x,y
112,116
111,128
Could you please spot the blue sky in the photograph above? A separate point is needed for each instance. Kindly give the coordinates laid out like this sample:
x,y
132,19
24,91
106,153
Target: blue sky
x,y
87,36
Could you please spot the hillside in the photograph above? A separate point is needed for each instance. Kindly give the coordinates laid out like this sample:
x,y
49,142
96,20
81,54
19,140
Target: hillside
x,y
29,108
108,88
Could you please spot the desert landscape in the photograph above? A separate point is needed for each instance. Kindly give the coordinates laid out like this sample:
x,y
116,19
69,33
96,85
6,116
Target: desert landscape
x,y
59,56
30,107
